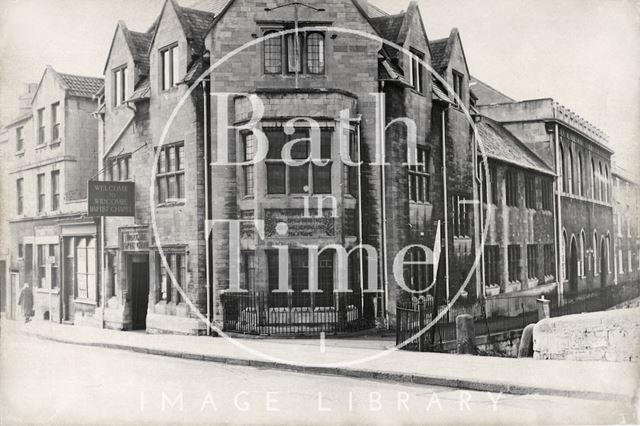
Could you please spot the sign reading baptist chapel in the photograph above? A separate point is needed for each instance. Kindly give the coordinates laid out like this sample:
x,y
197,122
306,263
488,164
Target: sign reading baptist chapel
x,y
111,198
135,239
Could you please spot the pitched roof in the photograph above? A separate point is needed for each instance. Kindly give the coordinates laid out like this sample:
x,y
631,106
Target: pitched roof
x,y
139,44
439,59
501,144
486,94
142,90
389,26
375,12
78,85
195,24
212,6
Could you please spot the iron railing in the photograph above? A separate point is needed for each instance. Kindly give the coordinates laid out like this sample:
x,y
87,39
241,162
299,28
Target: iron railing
x,y
498,314
296,313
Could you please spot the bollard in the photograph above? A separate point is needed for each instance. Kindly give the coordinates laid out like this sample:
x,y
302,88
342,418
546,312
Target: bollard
x,y
525,349
465,335
543,308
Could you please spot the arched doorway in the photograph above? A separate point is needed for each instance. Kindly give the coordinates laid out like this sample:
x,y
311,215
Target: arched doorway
x,y
573,266
604,263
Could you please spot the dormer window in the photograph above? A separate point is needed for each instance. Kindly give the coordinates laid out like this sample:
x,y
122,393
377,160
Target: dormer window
x,y
119,85
169,67
416,78
304,56
458,80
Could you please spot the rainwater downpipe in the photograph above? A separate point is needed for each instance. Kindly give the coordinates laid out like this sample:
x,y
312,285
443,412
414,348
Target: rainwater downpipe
x,y
445,203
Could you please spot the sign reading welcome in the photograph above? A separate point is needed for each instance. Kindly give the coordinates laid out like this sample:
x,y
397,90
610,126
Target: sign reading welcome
x,y
111,198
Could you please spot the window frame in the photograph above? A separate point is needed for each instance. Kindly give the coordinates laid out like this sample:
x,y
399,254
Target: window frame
x,y
274,161
173,68
175,177
40,137
41,194
419,176
458,84
19,139
118,160
514,267
120,86
530,190
20,196
177,260
285,67
511,188
491,264
55,190
532,261
55,121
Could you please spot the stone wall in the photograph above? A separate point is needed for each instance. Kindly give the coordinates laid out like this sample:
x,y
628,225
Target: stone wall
x,y
598,336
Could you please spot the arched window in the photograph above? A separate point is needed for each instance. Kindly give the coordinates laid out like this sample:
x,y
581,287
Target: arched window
x,y
593,179
563,256
580,176
571,187
608,253
315,53
606,184
600,183
583,257
595,253
563,162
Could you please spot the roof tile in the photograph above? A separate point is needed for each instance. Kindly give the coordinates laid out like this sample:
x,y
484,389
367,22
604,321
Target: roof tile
x,y
501,144
81,86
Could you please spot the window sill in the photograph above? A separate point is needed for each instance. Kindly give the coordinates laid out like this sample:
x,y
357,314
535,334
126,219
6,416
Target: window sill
x,y
171,204
416,92
56,143
48,291
20,153
85,301
420,203
41,146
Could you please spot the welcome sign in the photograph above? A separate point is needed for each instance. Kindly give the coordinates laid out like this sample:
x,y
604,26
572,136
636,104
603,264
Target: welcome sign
x,y
111,198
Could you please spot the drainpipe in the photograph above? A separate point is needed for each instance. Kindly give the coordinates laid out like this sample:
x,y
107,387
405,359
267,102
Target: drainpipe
x,y
101,154
445,204
381,132
558,221
207,249
480,227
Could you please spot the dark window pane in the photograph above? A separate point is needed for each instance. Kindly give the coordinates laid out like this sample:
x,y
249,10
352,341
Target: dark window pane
x,y
298,178
275,178
322,179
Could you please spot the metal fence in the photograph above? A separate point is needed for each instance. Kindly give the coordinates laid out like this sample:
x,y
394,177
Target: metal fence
x,y
296,313
498,314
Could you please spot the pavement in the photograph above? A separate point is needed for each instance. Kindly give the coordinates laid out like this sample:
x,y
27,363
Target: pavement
x,y
366,359
46,382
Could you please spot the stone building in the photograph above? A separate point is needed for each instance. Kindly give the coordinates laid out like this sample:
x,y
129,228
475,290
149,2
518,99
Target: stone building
x,y
146,76
580,156
53,152
518,257
150,76
626,229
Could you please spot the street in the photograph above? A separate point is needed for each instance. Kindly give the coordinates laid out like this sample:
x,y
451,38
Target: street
x,y
55,383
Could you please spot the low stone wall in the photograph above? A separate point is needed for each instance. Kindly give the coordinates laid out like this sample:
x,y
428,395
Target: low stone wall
x,y
608,335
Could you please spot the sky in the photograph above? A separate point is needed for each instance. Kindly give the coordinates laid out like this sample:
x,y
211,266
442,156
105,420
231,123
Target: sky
x,y
585,54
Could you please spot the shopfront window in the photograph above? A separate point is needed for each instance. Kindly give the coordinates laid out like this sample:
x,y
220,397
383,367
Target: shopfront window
x,y
86,268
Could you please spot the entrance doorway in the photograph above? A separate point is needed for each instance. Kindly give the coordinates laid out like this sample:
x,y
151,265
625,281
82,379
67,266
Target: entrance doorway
x,y
573,267
139,267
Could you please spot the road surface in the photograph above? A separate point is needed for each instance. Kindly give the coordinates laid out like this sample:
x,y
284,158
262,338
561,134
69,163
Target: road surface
x,y
54,383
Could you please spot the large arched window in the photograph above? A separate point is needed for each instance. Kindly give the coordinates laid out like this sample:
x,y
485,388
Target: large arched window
x,y
583,257
600,186
606,184
571,187
315,53
563,256
563,162
595,253
593,179
580,176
